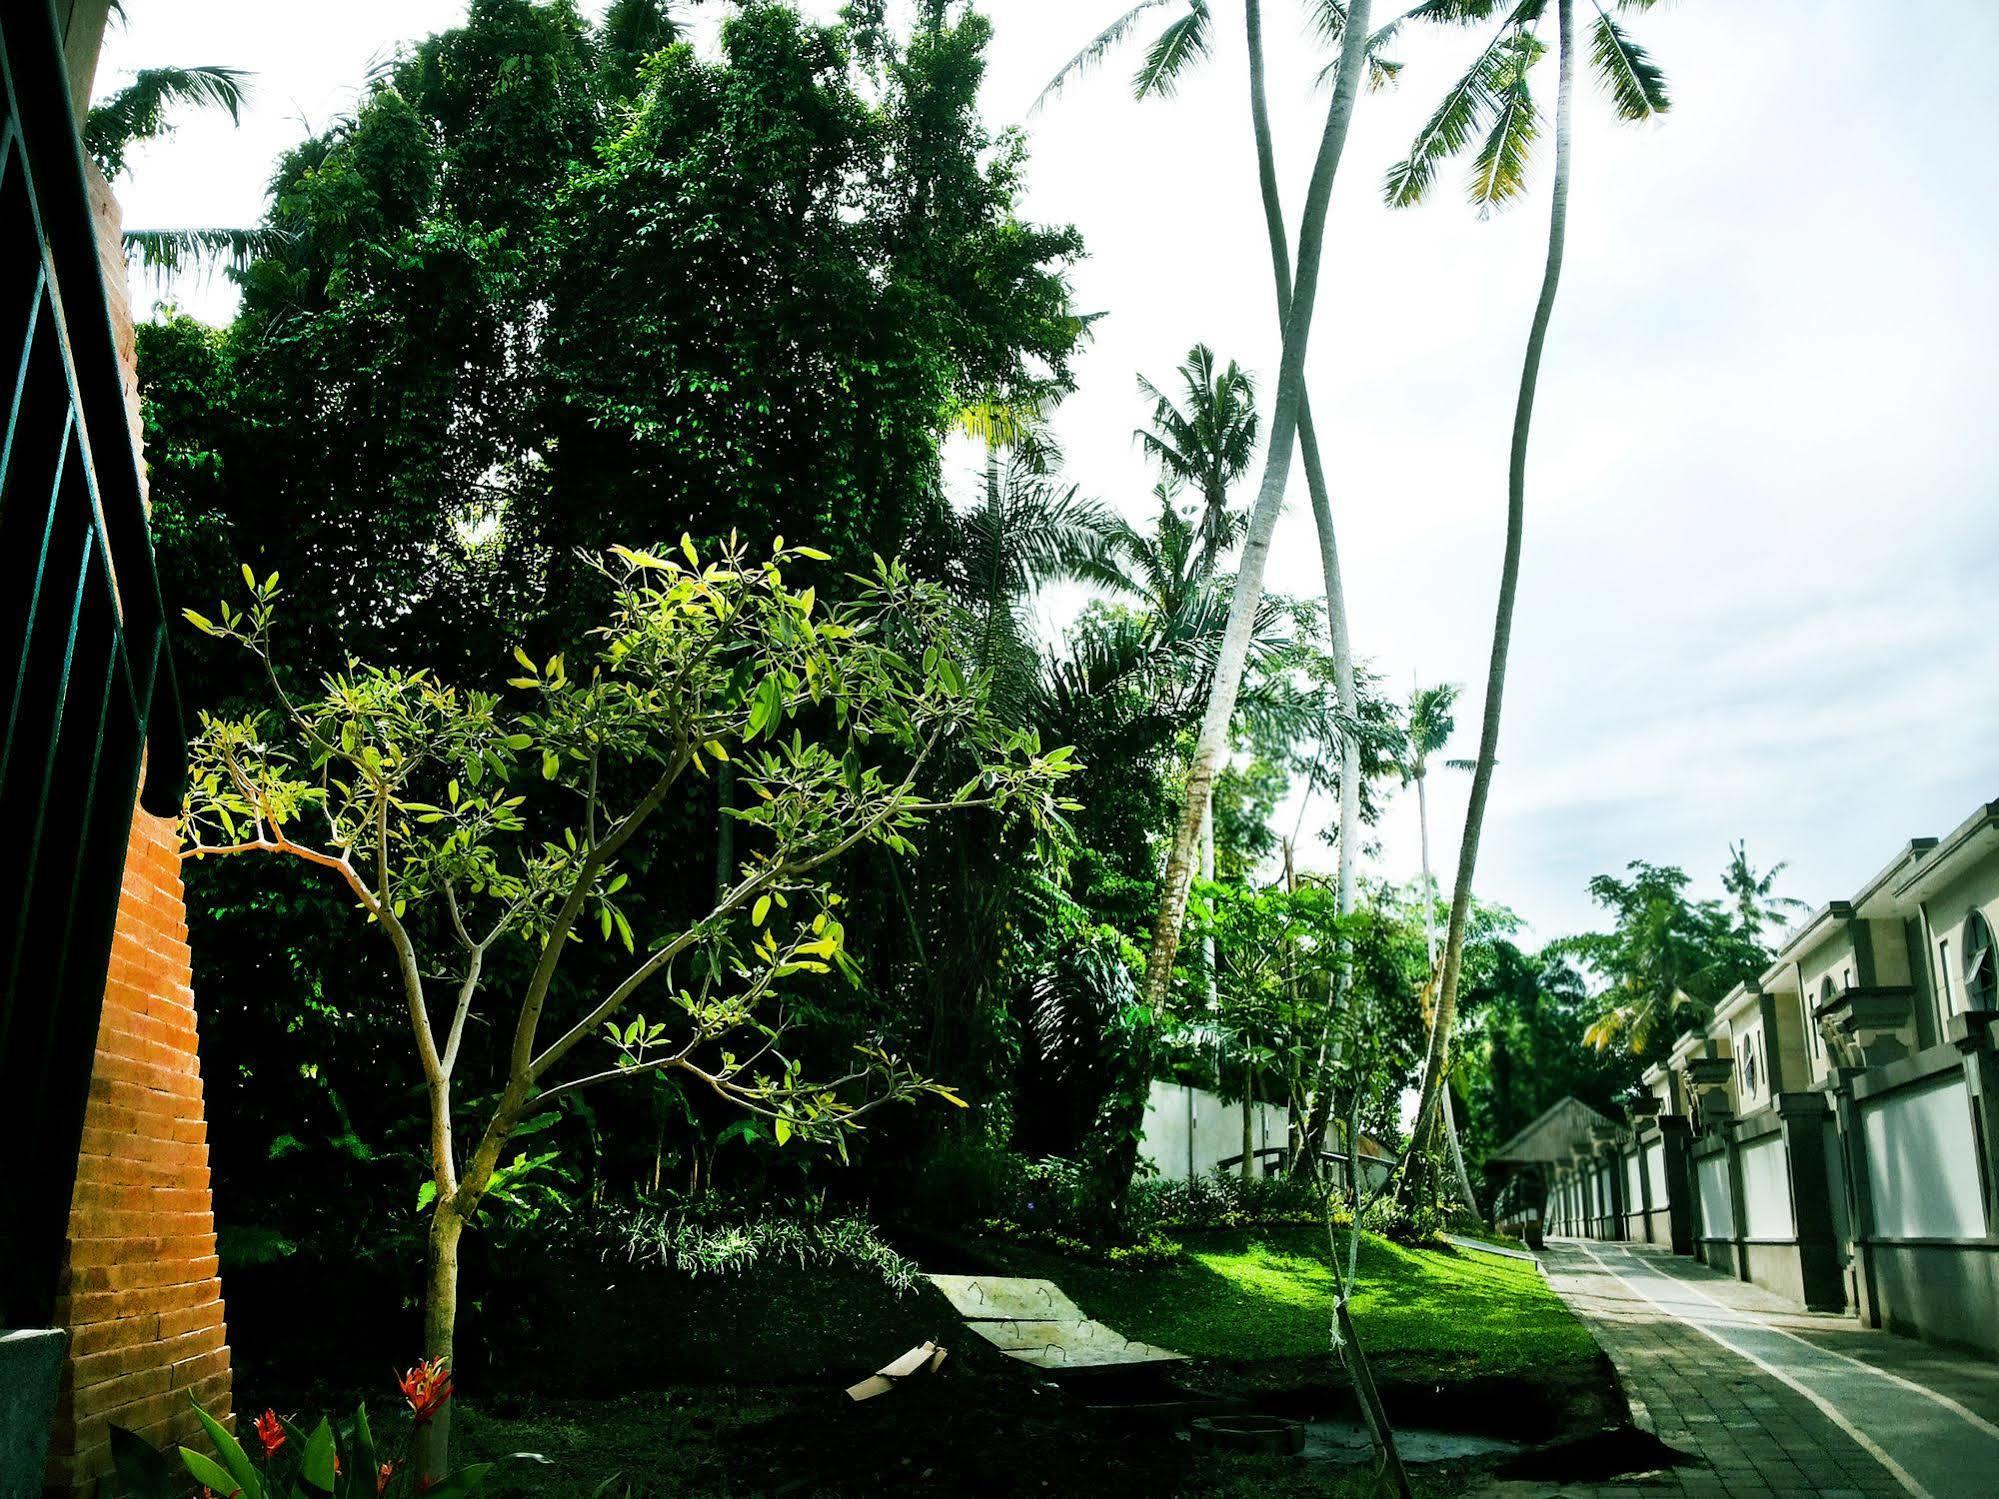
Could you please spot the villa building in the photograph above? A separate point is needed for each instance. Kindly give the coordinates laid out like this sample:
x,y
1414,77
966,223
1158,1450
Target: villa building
x,y
1835,1120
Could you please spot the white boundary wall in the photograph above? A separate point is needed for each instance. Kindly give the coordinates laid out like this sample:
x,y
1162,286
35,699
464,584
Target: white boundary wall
x,y
1921,1169
1190,1131
1766,1190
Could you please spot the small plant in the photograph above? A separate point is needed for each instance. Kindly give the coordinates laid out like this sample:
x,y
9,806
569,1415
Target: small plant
x,y
694,1242
332,1461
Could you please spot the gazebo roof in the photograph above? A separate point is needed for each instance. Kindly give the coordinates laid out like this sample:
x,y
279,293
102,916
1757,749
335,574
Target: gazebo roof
x,y
1551,1137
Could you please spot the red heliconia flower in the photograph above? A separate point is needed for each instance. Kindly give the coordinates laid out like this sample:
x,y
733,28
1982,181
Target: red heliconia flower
x,y
382,1478
426,1388
271,1432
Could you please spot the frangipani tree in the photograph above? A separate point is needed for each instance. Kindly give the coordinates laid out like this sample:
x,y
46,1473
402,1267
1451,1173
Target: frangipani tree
x,y
1493,105
415,796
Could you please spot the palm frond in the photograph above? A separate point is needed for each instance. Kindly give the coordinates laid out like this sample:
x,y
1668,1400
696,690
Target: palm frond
x,y
1499,172
140,111
1465,108
1180,46
1099,47
1449,12
168,252
1636,84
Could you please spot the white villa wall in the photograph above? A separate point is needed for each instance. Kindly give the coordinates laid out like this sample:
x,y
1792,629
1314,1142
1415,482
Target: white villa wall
x,y
1977,889
1216,1131
1922,1165
1832,957
1745,1042
1634,1183
1766,1190
1717,1201
1792,1050
1655,1173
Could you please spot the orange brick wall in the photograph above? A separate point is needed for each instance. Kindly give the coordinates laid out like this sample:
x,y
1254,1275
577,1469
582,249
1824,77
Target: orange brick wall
x,y
140,1292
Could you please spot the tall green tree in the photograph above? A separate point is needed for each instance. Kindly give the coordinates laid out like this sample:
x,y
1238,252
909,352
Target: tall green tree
x,y
1184,42
1493,104
1667,959
1203,441
403,419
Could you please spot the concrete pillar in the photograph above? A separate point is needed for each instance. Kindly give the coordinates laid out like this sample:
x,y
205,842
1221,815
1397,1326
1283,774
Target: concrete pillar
x,y
1971,1034
1675,1135
1803,1116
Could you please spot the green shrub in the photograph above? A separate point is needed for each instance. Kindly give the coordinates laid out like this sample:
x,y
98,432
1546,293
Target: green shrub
x,y
1221,1200
697,1238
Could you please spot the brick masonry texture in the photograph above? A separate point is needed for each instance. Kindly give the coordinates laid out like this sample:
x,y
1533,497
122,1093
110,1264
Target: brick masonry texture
x,y
140,1293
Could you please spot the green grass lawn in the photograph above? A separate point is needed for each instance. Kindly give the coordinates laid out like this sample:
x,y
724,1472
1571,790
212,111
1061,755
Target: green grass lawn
x,y
741,1393
1268,1294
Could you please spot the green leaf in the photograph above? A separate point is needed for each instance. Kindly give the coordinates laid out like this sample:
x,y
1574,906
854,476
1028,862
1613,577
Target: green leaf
x,y
361,1466
205,1472
316,1466
1636,84
199,621
233,1456
781,1127
1183,43
760,910
426,1195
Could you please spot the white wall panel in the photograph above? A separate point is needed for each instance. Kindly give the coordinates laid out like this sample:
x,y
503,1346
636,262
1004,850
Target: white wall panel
x,y
1922,1174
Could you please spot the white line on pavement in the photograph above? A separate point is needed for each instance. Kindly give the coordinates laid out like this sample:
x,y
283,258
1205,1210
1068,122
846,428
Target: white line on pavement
x,y
1874,1449
1757,1320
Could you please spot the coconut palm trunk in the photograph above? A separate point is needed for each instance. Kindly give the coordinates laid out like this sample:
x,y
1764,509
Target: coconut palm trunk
x,y
1234,654
1344,691
1509,582
1422,778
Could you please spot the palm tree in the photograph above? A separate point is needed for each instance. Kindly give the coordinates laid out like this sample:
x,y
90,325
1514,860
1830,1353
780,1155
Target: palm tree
x,y
1432,721
1232,660
144,110
1756,904
1493,100
1184,42
1204,442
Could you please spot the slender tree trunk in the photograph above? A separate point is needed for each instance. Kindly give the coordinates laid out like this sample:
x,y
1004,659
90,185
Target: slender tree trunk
x,y
1429,880
1352,53
440,1326
1345,693
1208,876
1430,948
1233,657
1509,582
1248,1119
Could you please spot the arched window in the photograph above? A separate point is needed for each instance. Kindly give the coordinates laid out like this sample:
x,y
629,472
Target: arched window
x,y
1981,965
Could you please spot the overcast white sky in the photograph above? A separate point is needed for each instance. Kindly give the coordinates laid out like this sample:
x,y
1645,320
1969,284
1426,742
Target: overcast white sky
x,y
1761,579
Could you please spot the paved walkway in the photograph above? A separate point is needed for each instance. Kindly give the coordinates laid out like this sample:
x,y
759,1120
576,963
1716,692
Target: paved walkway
x,y
1769,1400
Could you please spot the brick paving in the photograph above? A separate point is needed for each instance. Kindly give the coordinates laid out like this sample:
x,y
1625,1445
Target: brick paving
x,y
1771,1402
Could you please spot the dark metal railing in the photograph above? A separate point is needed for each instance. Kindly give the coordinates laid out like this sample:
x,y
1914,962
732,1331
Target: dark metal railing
x,y
86,682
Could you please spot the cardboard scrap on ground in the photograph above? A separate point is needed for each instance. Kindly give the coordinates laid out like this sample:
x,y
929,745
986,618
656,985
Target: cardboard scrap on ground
x,y
925,1358
1032,1321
